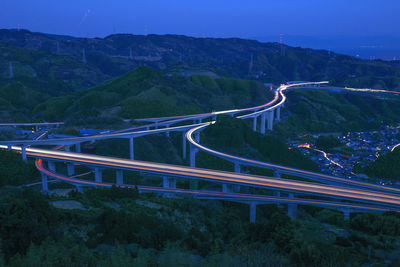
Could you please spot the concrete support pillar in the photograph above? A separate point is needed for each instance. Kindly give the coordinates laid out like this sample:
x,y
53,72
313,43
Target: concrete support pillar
x,y
346,214
70,169
236,187
197,137
193,151
9,148
98,175
78,148
79,188
214,118
278,114
237,167
52,166
262,126
225,188
169,183
120,177
277,174
23,152
167,133
277,193
36,128
292,208
165,182
253,212
45,188
194,184
184,145
270,119
255,124
200,121
131,148
67,148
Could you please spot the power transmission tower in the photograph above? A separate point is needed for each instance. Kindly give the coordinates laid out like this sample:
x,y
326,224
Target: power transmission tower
x,y
83,56
11,70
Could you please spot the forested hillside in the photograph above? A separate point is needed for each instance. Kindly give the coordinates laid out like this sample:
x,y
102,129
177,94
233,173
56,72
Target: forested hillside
x,y
318,111
269,62
144,92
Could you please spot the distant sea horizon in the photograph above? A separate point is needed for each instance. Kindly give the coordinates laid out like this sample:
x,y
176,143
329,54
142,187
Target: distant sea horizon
x,y
369,47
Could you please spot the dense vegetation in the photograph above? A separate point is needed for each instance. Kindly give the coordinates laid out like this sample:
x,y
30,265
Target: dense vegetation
x,y
14,171
118,53
327,142
385,166
117,227
236,137
144,92
317,111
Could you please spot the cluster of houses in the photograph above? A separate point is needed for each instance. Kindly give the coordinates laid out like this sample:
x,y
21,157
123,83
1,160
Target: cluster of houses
x,y
357,149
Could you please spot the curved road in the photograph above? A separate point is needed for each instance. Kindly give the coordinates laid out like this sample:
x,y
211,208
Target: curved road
x,y
351,190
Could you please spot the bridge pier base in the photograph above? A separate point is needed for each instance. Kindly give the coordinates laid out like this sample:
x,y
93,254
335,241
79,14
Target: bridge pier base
x,y
184,145
225,188
262,126
167,132
119,177
52,166
23,152
193,151
131,148
169,183
78,148
292,208
9,148
45,188
98,176
255,124
277,193
270,119
236,187
70,169
346,214
253,212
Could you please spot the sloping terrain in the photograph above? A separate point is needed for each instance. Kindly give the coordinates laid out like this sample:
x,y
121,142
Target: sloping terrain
x,y
119,53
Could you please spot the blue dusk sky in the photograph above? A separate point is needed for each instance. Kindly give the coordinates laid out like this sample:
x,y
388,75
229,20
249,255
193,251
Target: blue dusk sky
x,y
256,19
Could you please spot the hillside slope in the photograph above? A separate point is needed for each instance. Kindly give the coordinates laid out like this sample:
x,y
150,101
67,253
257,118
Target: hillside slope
x,y
119,53
144,92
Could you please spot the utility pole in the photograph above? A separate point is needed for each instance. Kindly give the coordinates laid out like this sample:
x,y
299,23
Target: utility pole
x,y
83,56
282,46
251,63
58,47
